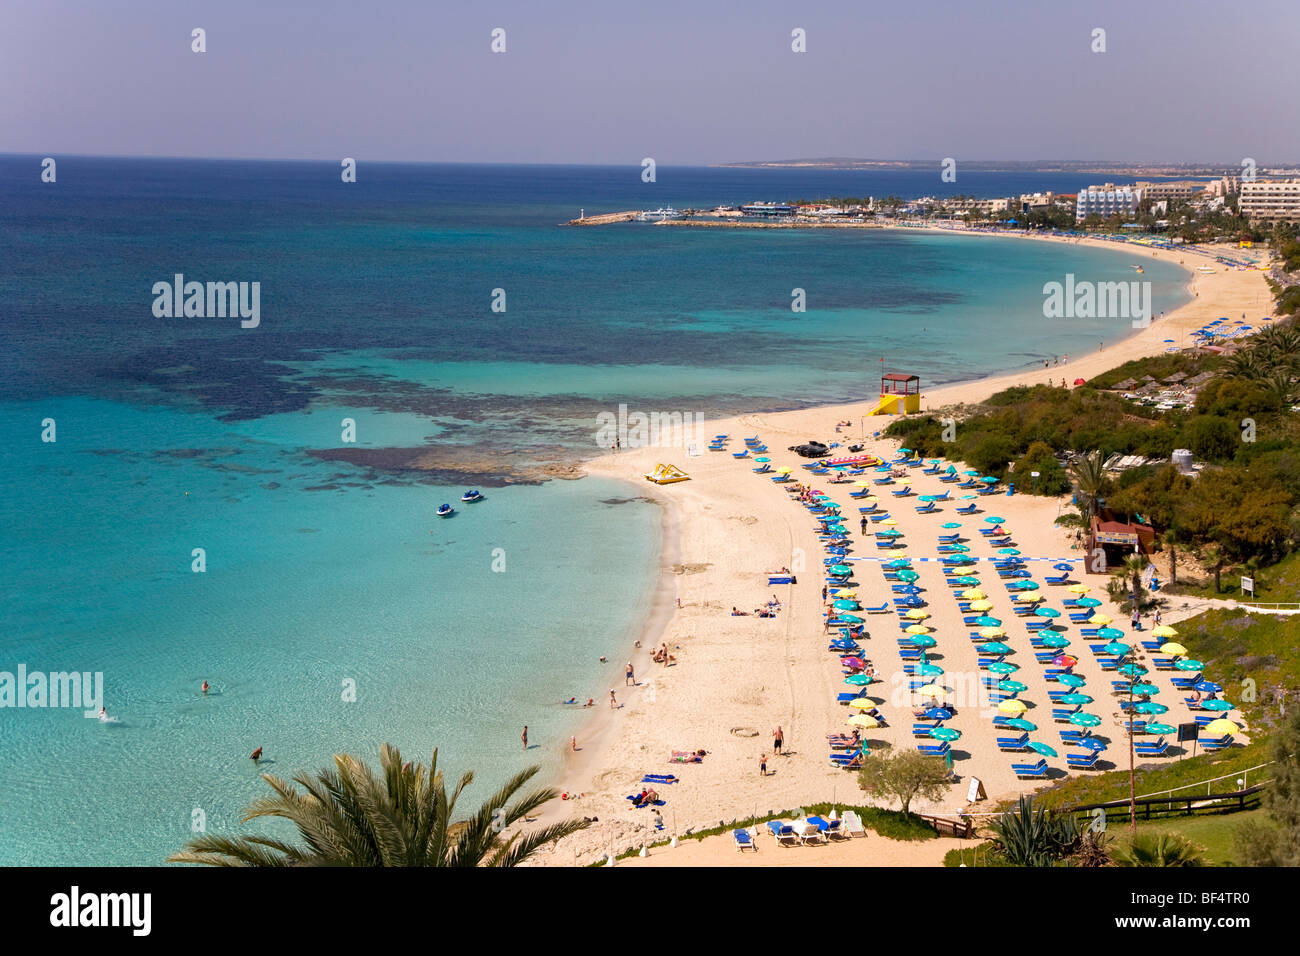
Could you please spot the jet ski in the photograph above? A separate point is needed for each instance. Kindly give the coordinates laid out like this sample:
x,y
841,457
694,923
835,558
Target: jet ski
x,y
445,511
471,496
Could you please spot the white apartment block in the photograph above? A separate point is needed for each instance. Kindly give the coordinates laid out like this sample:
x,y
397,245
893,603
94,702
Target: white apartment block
x,y
1270,201
1106,201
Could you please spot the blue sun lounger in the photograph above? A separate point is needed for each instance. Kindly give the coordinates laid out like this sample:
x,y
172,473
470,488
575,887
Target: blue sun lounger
x,y
744,841
1030,771
967,510
1082,761
1014,743
783,833
659,778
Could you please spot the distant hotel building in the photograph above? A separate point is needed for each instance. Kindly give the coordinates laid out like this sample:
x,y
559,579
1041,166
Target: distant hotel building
x,y
1107,201
1182,189
768,209
1276,201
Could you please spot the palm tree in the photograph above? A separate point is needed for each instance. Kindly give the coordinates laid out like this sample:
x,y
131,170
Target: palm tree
x,y
1164,849
1090,478
402,816
1169,541
1134,565
1216,558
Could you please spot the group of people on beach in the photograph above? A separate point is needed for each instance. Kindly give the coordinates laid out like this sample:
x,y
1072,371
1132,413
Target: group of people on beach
x,y
1056,361
767,610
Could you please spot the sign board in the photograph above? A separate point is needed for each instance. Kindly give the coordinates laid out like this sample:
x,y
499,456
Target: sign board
x,y
1116,537
975,791
693,451
1248,585
1187,731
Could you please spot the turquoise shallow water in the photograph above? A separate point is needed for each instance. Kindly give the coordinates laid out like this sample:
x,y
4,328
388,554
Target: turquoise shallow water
x,y
183,434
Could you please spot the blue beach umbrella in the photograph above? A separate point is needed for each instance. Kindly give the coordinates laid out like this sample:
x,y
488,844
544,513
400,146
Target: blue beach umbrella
x,y
993,647
1143,690
899,563
851,619
989,480
958,549
1082,719
1161,728
985,621
938,713
845,605
1041,748
1117,648
1109,633
1222,705
930,670
951,524
841,569
1056,642
1003,667
1008,551
1019,723
1023,586
1071,680
858,680
1011,687
1132,670
909,589
1150,707
1189,665
1092,743
763,459
1088,602
1047,612
1073,699
908,576
1063,567
995,520
922,640
1208,687
966,579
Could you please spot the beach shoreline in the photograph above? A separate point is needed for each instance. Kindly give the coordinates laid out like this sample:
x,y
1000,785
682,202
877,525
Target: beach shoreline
x,y
750,673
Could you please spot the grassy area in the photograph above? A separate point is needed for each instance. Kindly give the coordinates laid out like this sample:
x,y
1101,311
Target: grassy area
x,y
1213,834
1278,583
892,824
1113,784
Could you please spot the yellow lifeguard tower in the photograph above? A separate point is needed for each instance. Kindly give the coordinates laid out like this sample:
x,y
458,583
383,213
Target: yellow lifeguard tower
x,y
900,394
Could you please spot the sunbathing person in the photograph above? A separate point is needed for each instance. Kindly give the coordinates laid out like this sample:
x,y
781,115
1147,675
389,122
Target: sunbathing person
x,y
736,612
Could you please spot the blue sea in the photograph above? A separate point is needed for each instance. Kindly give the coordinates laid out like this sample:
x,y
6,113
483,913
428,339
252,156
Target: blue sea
x,y
334,611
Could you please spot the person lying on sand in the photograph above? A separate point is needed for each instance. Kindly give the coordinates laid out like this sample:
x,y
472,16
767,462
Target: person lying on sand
x,y
736,612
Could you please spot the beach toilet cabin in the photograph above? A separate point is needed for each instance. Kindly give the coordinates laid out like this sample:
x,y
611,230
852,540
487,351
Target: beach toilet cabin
x,y
900,394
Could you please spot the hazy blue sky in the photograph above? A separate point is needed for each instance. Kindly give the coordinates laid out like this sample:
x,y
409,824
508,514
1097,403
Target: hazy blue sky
x,y
608,81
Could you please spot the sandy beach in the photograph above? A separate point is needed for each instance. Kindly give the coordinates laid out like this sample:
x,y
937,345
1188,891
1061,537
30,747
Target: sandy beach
x,y
737,678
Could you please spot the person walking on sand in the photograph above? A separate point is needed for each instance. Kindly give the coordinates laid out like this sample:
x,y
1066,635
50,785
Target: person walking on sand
x,y
762,765
778,739
630,678
524,736
612,701
573,744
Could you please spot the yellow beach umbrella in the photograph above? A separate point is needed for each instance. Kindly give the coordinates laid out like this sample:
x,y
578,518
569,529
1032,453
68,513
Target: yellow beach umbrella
x,y
1024,598
863,703
1101,620
975,594
848,593
916,614
1012,706
889,522
932,690
992,632
785,470
1079,588
1164,630
865,721
1174,648
871,499
918,629
862,484
904,481
1221,726
981,605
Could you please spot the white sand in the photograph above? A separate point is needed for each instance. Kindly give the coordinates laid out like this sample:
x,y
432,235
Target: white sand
x,y
737,676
